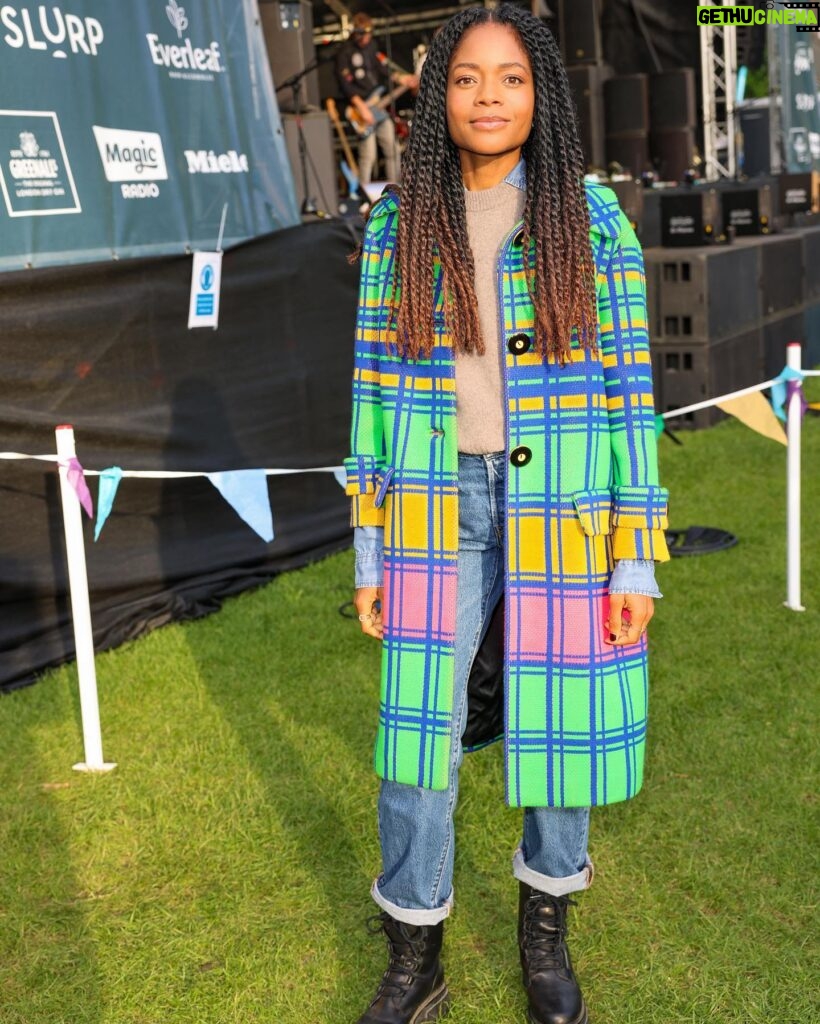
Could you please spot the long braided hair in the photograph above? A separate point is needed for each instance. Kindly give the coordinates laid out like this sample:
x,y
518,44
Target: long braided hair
x,y
560,272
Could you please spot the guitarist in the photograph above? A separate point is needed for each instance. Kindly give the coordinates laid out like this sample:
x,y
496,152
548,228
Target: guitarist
x,y
361,69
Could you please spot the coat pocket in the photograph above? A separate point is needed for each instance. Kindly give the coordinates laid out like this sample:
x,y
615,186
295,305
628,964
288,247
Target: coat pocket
x,y
594,510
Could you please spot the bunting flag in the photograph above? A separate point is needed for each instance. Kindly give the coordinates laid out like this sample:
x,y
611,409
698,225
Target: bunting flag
x,y
779,389
795,387
341,477
754,411
246,491
109,482
76,478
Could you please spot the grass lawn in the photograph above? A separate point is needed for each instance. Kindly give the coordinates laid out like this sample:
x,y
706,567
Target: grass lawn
x,y
220,875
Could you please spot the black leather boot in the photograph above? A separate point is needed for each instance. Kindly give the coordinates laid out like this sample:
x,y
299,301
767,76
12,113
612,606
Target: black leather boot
x,y
552,989
412,990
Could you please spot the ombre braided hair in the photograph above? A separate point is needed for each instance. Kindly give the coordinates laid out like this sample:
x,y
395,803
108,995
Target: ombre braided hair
x,y
560,272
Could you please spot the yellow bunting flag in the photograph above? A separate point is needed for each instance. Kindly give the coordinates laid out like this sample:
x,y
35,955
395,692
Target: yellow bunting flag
x,y
755,411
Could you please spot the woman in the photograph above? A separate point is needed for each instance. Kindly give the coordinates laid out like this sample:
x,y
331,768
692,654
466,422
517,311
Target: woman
x,y
503,445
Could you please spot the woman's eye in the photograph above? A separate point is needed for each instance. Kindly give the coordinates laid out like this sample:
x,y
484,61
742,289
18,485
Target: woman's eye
x,y
514,79
464,80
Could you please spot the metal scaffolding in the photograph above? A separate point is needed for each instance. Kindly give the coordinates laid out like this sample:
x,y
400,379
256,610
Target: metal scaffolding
x,y
718,60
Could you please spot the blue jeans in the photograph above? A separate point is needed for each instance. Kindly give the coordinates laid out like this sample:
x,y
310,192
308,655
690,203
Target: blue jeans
x,y
416,824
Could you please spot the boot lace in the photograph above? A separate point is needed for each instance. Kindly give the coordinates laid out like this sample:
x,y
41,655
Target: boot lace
x,y
405,957
544,938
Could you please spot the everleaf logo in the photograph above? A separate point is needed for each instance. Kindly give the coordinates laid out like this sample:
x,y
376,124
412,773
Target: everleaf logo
x,y
176,15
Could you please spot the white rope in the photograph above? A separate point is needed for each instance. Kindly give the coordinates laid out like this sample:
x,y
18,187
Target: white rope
x,y
717,401
164,474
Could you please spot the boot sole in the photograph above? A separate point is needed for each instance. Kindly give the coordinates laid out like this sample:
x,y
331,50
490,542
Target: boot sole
x,y
436,1007
583,1019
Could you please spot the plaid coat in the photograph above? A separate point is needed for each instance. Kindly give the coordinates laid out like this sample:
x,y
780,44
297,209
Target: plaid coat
x,y
582,492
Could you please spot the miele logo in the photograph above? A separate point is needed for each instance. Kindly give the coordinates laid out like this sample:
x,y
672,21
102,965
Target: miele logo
x,y
131,156
47,28
205,161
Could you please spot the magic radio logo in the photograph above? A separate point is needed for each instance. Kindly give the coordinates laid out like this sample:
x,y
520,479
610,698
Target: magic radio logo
x,y
803,16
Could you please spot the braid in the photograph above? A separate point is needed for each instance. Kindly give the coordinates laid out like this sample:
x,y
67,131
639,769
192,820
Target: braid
x,y
432,223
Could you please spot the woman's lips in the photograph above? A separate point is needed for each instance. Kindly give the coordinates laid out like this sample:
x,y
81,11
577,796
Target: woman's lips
x,y
489,123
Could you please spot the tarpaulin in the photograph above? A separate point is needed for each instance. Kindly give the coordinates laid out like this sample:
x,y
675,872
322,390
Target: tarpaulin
x,y
106,348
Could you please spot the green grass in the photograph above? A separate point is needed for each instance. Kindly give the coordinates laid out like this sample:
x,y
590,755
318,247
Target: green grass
x,y
221,873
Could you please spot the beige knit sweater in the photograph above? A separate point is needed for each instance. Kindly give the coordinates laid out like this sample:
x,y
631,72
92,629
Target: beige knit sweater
x,y
491,214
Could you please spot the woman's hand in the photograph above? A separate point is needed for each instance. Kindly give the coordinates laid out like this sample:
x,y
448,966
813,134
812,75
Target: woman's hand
x,y
368,603
629,615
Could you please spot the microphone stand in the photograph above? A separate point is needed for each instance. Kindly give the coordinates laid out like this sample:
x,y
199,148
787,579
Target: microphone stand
x,y
294,83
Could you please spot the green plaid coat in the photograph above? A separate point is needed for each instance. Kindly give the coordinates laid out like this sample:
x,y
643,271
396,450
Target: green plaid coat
x,y
582,492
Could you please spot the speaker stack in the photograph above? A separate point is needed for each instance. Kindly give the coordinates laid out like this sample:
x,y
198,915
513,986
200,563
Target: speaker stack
x,y
626,113
672,121
579,34
705,326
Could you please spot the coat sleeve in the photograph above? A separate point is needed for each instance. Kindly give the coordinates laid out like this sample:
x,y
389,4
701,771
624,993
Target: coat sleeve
x,y
367,473
639,509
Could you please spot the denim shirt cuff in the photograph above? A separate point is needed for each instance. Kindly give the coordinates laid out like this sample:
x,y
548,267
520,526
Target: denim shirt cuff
x,y
368,543
634,576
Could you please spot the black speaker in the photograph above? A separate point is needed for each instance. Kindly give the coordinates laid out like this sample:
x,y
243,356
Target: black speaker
x,y
704,293
778,332
321,163
691,217
586,84
288,29
811,262
781,272
626,104
753,118
672,99
673,151
748,208
579,31
630,150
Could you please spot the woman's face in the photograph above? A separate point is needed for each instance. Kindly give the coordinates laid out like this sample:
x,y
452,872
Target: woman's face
x,y
490,92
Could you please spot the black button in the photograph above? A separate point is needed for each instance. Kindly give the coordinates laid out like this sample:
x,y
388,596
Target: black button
x,y
519,238
520,456
518,344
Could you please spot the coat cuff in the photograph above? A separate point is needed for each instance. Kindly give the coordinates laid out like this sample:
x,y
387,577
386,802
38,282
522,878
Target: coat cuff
x,y
367,482
639,519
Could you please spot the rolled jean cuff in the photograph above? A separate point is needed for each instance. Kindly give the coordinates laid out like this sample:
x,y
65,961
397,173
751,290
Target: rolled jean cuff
x,y
553,886
412,916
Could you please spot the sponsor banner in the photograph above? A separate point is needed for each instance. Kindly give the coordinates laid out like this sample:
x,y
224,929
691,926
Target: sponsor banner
x,y
800,109
127,128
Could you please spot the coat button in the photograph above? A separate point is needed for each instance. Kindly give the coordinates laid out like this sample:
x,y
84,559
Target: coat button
x,y
518,344
518,238
520,456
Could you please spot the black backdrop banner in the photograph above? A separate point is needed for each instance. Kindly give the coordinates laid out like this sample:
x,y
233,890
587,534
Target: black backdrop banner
x,y
105,348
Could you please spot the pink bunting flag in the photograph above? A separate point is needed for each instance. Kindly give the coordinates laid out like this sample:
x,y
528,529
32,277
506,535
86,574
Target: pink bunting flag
x,y
76,477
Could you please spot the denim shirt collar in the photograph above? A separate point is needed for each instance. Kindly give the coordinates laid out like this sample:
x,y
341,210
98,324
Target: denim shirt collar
x,y
518,176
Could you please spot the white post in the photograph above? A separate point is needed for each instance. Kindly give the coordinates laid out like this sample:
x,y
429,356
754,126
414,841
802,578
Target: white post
x,y
80,609
794,423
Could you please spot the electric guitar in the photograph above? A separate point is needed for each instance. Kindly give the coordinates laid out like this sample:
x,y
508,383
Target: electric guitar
x,y
378,104
349,167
